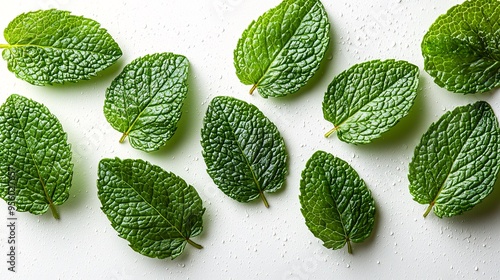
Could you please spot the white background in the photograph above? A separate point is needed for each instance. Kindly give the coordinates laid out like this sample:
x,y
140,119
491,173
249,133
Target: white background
x,y
248,241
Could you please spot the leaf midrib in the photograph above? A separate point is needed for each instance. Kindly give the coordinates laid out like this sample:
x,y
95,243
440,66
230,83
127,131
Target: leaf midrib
x,y
131,126
10,46
442,187
152,207
336,207
240,148
32,156
346,120
278,54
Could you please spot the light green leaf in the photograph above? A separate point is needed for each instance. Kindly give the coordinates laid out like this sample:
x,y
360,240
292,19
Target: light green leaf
x,y
461,49
456,163
154,210
144,102
282,50
35,158
243,150
369,98
336,204
53,47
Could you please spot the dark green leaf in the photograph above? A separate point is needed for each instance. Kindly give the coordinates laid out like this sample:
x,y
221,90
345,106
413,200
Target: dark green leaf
x,y
456,163
53,47
282,50
35,158
369,98
144,102
336,203
156,211
243,150
461,49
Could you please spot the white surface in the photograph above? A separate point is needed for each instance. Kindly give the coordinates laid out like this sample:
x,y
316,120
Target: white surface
x,y
248,241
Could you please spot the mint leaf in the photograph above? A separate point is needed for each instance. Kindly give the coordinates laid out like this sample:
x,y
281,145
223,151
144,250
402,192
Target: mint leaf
x,y
35,157
282,50
154,210
461,50
243,150
53,47
369,98
456,163
144,102
336,203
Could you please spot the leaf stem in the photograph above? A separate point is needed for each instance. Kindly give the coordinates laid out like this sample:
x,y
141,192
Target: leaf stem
x,y
194,244
332,131
253,89
429,209
54,211
123,137
263,197
4,46
349,246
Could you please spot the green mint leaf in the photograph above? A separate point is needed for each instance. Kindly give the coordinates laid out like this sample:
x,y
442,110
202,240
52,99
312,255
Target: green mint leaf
x,y
369,98
282,50
154,210
53,47
35,157
461,50
144,102
336,203
243,150
456,163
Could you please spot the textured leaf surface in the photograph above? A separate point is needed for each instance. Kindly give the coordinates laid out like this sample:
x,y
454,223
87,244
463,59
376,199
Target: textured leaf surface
x,y
282,50
53,47
243,150
461,49
35,158
369,98
144,102
336,203
156,211
456,163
